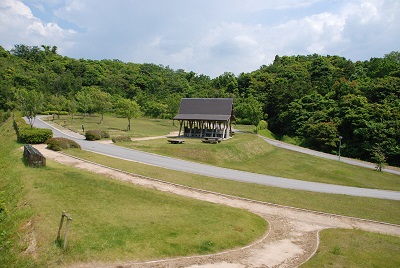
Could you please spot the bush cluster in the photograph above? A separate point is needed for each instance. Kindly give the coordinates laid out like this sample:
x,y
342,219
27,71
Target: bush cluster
x,y
59,144
29,135
261,125
93,135
4,115
54,112
121,139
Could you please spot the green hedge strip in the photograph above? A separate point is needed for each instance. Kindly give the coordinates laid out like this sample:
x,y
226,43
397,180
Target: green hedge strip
x,y
29,135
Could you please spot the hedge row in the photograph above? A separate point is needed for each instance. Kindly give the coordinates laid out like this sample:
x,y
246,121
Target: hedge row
x,y
59,144
29,135
93,135
54,112
120,139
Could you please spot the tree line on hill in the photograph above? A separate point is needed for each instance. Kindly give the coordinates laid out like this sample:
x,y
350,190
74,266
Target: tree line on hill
x,y
317,100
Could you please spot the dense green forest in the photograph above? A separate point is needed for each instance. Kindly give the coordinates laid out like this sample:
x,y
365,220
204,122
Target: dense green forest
x,y
314,99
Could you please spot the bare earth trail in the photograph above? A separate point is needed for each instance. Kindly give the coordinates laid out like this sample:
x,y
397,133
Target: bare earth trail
x,y
291,240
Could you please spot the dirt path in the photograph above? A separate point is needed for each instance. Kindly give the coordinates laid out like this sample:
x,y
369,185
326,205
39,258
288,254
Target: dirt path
x,y
291,240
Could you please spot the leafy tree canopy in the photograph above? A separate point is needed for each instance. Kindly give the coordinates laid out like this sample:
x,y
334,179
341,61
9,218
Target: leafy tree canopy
x,y
314,98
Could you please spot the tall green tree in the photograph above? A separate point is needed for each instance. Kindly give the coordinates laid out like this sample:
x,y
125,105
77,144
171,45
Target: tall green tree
x,y
57,103
101,101
85,102
248,111
128,109
30,103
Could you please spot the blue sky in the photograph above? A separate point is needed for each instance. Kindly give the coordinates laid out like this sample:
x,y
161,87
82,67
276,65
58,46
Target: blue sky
x,y
209,36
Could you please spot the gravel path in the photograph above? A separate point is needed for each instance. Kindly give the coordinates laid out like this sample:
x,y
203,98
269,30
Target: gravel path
x,y
291,240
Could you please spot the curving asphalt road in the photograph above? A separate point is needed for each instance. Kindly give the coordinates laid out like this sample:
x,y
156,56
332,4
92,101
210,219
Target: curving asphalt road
x,y
354,162
217,172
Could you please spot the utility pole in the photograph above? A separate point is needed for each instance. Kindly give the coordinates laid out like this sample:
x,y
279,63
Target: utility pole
x,y
340,145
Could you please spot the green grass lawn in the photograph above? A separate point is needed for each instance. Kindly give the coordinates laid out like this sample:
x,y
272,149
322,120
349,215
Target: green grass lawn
x,y
368,208
248,152
112,220
339,248
355,248
116,126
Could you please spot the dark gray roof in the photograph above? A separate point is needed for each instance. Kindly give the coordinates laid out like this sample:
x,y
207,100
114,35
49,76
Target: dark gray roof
x,y
205,109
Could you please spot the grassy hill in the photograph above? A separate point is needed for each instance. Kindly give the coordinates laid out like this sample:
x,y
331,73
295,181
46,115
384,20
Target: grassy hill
x,y
337,246
111,220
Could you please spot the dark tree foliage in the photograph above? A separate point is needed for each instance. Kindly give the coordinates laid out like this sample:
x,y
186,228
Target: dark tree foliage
x,y
311,97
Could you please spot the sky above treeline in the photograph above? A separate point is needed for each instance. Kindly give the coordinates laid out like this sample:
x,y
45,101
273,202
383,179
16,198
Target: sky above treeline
x,y
205,36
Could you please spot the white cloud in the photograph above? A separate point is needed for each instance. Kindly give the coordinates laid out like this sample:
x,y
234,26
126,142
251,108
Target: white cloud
x,y
207,36
20,26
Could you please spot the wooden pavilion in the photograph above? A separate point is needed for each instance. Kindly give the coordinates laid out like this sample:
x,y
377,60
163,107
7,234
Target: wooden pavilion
x,y
206,117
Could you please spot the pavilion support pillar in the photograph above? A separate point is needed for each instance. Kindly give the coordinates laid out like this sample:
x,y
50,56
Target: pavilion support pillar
x,y
190,126
180,127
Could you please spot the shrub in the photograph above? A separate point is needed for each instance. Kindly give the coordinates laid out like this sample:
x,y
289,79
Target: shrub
x,y
121,139
4,116
93,135
54,112
26,134
35,135
59,144
261,125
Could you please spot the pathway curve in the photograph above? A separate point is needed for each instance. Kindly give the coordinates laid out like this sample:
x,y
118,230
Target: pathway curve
x,y
291,240
354,162
217,172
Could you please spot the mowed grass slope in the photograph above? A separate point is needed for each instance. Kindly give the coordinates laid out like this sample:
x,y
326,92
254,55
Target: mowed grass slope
x,y
367,208
114,220
355,248
14,211
248,152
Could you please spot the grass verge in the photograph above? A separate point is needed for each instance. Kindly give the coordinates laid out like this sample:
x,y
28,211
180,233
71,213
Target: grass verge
x,y
367,208
111,220
355,248
14,211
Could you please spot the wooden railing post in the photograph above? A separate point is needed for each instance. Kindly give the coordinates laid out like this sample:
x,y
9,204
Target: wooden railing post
x,y
61,224
66,232
66,229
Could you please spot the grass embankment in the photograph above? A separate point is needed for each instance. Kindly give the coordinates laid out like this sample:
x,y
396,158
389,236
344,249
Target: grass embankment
x,y
368,208
111,220
14,212
354,248
248,152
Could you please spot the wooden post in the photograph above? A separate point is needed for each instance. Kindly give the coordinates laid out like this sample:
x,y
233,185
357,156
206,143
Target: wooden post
x,y
61,224
66,228
66,232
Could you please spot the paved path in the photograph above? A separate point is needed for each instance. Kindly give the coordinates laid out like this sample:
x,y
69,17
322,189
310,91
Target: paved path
x,y
218,172
350,161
